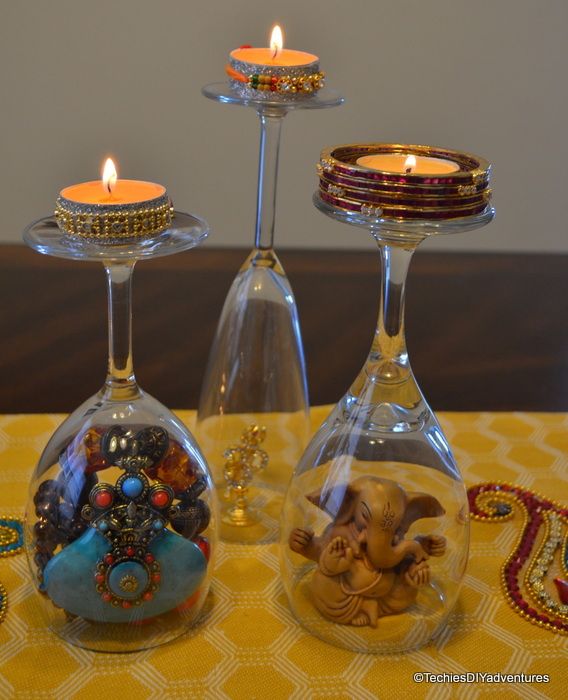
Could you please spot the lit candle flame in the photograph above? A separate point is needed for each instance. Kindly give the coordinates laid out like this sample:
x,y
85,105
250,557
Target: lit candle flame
x,y
109,176
276,41
409,163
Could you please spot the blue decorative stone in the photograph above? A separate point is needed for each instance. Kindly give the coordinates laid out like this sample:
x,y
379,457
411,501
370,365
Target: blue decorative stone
x,y
157,524
132,487
128,579
69,577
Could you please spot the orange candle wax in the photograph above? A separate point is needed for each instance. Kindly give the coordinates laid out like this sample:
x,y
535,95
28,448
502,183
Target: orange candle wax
x,y
123,192
402,163
266,57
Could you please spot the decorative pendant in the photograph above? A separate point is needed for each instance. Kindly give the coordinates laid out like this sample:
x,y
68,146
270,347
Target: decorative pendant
x,y
541,546
122,562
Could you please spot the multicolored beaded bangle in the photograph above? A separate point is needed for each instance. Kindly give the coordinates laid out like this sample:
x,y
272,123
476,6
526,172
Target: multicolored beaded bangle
x,y
495,502
282,84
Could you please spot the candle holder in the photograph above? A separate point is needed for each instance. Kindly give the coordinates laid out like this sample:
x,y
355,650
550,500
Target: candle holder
x,y
374,528
121,519
256,371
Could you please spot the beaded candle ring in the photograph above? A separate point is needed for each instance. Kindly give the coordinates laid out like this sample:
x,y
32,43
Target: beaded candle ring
x,y
275,73
401,182
113,211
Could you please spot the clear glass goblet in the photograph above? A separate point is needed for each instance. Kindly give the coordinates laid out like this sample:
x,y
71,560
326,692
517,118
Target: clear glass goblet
x,y
256,375
374,528
121,519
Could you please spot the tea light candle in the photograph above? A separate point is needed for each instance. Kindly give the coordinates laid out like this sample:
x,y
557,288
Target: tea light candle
x,y
281,72
402,181
276,55
408,164
111,210
111,191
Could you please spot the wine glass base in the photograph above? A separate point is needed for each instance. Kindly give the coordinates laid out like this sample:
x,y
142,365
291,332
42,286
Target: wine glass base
x,y
241,516
324,98
186,231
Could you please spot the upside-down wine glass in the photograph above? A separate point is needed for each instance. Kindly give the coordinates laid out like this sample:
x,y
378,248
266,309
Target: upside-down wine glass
x,y
121,518
375,526
256,376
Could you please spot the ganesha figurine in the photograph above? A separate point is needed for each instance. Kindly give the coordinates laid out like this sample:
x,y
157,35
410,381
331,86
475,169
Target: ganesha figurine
x,y
367,566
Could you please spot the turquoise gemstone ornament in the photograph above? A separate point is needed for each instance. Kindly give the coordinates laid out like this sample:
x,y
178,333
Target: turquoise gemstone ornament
x,y
121,562
84,579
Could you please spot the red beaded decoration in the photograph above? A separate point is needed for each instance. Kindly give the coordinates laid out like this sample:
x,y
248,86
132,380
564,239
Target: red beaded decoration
x,y
495,502
160,498
103,499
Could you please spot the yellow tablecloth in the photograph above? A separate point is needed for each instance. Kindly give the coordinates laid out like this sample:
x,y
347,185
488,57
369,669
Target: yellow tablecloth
x,y
251,647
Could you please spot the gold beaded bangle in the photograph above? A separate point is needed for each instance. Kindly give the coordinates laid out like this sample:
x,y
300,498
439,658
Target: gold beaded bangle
x,y
101,223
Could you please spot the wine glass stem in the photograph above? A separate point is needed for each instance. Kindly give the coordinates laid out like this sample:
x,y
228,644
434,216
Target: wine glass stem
x,y
270,128
389,357
120,381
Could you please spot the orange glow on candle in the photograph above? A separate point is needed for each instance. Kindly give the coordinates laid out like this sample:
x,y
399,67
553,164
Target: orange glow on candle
x,y
408,164
109,176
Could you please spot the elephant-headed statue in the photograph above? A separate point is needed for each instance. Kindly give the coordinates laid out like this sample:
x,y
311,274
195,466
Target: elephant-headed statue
x,y
366,566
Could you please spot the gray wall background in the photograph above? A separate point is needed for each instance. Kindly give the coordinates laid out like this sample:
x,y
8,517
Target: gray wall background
x,y
80,79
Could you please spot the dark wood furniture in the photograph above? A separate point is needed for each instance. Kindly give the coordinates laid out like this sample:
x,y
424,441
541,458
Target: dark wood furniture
x,y
485,331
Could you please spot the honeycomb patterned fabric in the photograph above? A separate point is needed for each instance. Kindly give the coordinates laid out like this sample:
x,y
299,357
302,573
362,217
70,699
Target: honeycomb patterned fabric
x,y
250,645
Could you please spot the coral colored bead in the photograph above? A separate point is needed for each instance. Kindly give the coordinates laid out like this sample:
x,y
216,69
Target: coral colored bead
x,y
126,604
99,578
103,499
130,551
149,558
106,597
160,499
148,595
156,578
108,559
